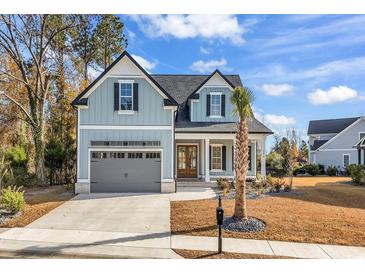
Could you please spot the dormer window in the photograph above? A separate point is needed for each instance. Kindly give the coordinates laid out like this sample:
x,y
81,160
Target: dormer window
x,y
216,105
126,96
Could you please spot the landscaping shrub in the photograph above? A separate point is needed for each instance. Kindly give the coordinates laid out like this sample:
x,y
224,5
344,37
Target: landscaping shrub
x,y
331,171
13,199
279,184
357,173
314,169
224,184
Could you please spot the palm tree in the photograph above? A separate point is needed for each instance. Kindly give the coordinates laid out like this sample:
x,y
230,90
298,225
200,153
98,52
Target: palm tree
x,y
241,99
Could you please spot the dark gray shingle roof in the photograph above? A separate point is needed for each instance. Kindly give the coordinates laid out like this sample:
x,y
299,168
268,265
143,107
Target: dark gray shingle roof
x,y
254,126
330,125
181,86
317,144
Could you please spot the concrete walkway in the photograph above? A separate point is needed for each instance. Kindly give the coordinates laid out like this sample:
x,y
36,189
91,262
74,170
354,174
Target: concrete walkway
x,y
110,225
263,247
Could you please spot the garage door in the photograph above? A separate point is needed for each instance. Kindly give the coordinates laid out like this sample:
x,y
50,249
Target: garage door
x,y
131,171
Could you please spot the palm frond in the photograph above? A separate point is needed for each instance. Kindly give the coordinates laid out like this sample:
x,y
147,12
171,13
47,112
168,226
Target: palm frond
x,y
242,98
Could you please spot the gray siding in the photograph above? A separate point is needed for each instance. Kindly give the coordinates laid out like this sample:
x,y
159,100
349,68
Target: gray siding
x,y
348,138
335,158
199,112
101,111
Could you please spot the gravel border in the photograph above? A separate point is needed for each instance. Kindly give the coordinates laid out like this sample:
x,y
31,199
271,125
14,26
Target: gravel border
x,y
238,225
6,215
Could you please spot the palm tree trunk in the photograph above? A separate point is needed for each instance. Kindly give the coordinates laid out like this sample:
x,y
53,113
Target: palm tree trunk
x,y
241,166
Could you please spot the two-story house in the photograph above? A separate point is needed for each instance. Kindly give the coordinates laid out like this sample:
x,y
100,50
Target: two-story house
x,y
140,132
335,141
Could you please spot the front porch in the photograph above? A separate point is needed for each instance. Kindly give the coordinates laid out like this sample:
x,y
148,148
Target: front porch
x,y
206,157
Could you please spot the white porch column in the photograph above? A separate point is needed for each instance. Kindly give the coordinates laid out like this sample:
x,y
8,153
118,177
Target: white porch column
x,y
263,159
234,157
202,160
206,161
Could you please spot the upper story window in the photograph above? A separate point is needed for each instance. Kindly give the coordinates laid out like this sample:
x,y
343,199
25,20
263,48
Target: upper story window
x,y
215,106
126,96
361,135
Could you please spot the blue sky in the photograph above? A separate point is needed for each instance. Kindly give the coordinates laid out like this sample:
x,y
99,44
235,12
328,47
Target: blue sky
x,y
300,67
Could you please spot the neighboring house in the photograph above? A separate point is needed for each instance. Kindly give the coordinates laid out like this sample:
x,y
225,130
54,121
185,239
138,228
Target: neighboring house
x,y
333,141
139,132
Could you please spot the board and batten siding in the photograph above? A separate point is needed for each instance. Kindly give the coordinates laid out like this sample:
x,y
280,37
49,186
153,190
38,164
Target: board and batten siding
x,y
101,106
100,112
199,108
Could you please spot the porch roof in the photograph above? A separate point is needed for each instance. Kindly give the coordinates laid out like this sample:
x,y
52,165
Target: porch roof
x,y
254,127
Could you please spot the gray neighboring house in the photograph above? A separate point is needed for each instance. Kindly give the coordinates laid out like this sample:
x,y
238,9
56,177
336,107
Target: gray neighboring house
x,y
140,132
333,141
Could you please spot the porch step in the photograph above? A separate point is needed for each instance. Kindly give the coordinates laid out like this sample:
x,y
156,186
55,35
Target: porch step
x,y
195,184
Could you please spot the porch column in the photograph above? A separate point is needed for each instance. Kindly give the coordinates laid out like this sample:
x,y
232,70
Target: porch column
x,y
234,158
359,156
206,161
263,159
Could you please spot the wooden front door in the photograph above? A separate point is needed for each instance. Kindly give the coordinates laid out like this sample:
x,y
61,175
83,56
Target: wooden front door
x,y
187,161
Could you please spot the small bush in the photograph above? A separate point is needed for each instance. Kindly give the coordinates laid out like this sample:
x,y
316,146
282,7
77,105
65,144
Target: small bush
x,y
314,169
357,173
279,184
224,184
331,171
287,188
13,199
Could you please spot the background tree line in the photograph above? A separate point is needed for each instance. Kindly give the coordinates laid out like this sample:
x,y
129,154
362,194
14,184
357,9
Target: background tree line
x,y
45,61
287,154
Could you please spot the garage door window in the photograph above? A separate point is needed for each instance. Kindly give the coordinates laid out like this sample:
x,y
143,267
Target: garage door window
x,y
135,155
117,155
153,155
99,155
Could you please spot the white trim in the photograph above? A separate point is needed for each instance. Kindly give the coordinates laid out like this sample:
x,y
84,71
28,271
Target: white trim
x,y
126,111
172,143
221,156
122,149
336,149
211,104
167,180
126,81
206,85
78,145
343,159
83,180
110,74
82,107
170,107
340,133
361,132
127,127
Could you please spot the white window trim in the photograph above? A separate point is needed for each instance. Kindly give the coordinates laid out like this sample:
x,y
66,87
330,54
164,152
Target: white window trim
x,y
343,159
220,105
128,112
211,157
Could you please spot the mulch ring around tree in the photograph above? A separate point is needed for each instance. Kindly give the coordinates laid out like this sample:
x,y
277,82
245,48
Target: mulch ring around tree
x,y
6,215
252,224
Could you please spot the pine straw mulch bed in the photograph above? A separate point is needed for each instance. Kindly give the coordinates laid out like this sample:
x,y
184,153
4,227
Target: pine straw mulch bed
x,y
39,201
198,254
327,212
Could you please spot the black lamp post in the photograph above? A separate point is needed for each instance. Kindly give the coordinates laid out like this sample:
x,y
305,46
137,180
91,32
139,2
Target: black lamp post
x,y
220,217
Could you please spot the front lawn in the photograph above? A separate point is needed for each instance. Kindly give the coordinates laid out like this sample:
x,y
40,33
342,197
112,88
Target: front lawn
x,y
39,201
323,210
199,254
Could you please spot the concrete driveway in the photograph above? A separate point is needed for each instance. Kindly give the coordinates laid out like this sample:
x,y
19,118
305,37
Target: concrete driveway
x,y
135,225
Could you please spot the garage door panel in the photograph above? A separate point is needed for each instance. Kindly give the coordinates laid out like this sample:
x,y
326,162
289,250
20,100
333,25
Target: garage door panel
x,y
125,174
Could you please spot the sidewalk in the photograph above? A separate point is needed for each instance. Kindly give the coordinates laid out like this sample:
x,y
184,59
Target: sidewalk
x,y
264,247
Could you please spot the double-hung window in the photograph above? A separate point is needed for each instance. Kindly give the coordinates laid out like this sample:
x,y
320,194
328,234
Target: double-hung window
x,y
126,96
216,157
215,105
346,160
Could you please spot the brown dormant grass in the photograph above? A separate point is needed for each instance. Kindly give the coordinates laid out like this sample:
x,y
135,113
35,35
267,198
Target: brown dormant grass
x,y
327,210
198,254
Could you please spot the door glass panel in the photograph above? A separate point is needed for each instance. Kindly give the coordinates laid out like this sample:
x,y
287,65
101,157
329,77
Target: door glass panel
x,y
192,157
181,160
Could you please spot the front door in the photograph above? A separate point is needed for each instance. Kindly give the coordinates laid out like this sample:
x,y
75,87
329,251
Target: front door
x,y
187,161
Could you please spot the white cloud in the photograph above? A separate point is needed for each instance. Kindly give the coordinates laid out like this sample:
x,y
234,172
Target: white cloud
x,y
209,66
191,26
278,120
205,50
333,95
277,89
147,65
